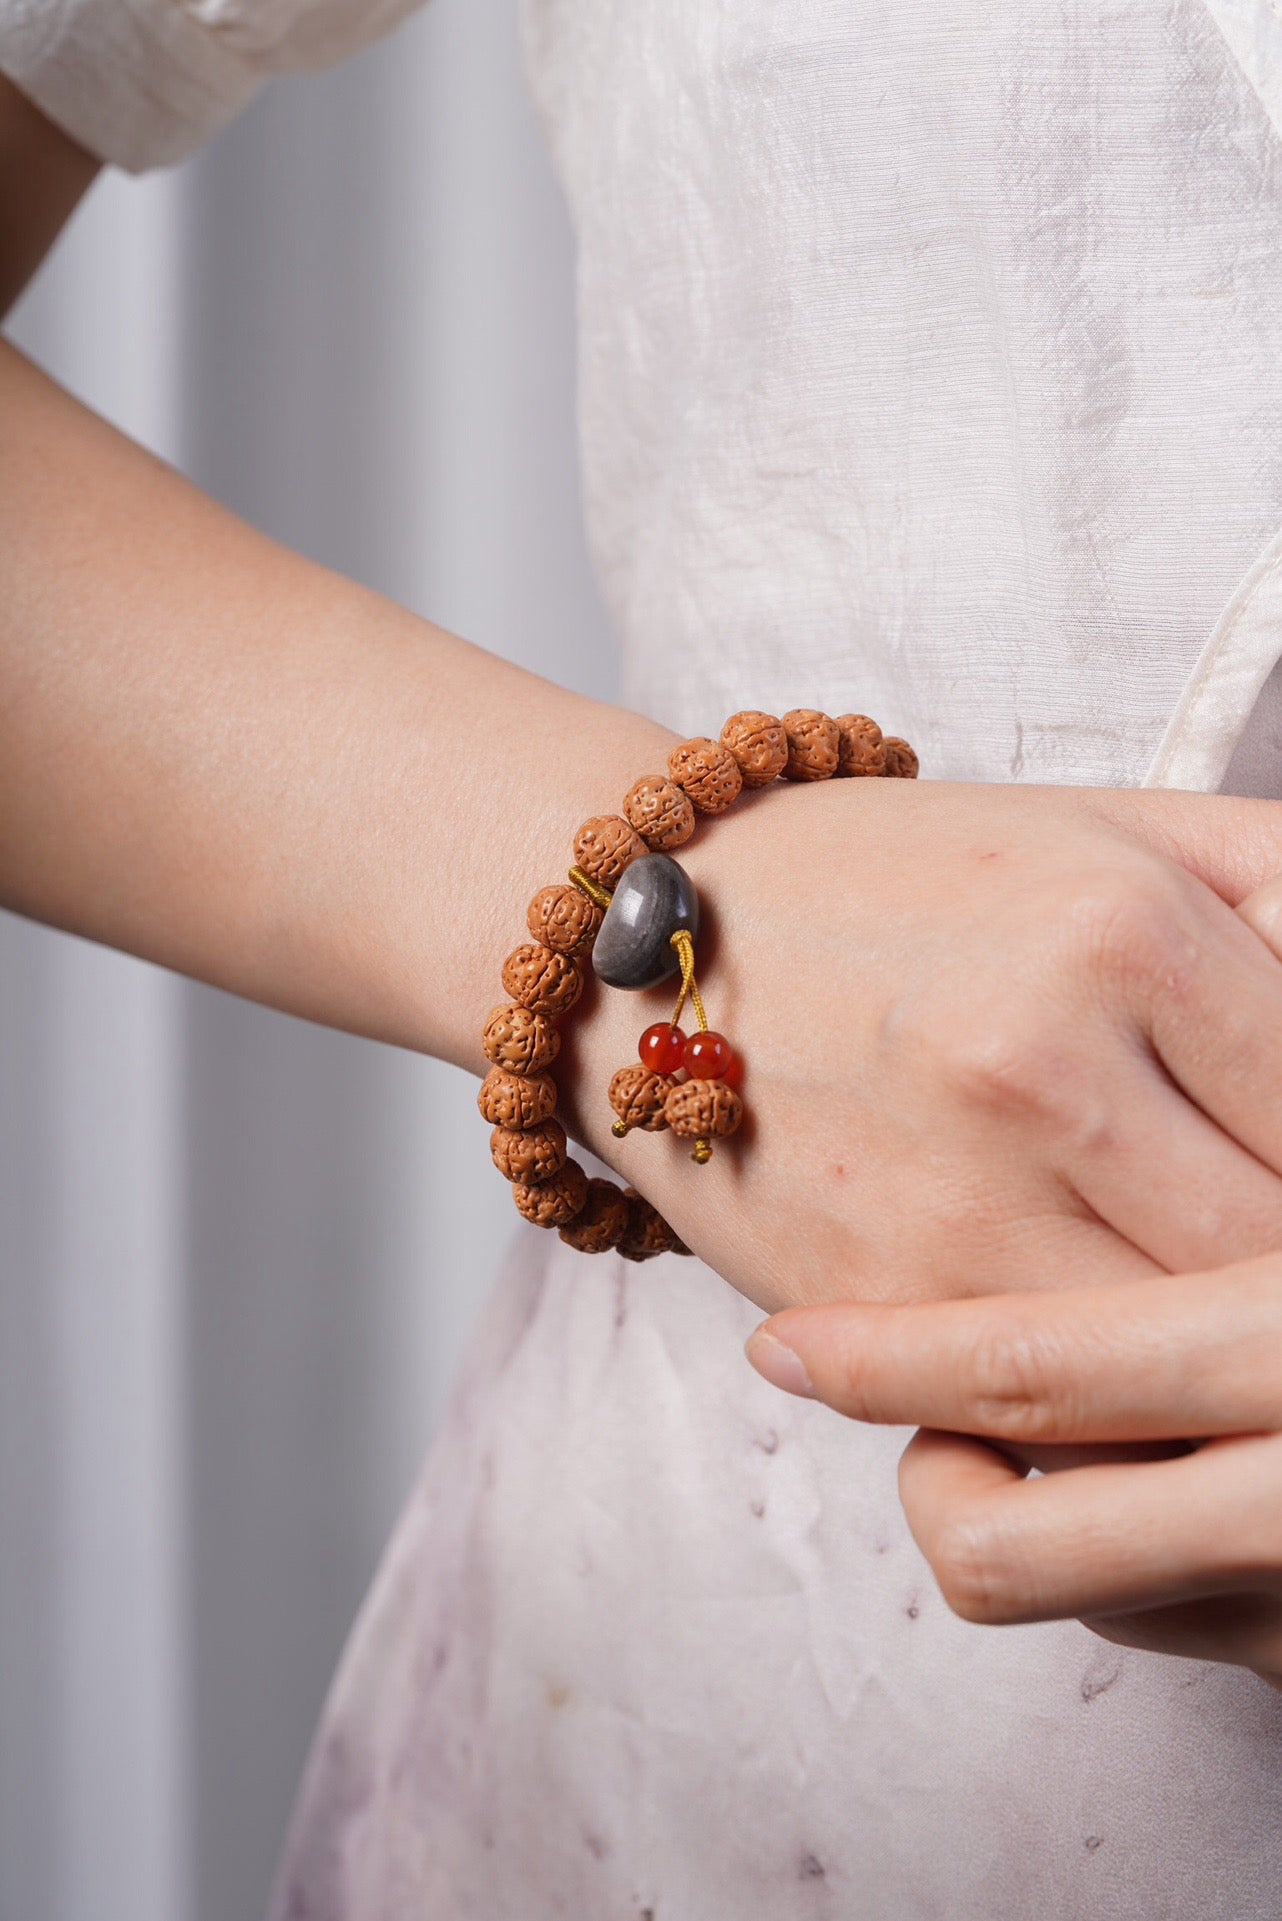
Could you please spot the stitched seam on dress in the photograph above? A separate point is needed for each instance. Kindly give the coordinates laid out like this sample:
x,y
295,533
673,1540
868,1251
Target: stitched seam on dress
x,y
1218,658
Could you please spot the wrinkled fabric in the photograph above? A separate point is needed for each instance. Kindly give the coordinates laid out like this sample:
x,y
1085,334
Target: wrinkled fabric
x,y
931,366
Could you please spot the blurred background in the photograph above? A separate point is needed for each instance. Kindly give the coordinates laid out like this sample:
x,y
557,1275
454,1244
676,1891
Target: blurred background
x,y
239,1256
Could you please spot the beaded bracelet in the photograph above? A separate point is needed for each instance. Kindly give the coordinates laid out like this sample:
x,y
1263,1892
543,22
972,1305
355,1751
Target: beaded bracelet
x,y
636,910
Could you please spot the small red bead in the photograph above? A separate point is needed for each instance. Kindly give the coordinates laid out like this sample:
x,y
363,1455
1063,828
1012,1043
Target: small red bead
x,y
662,1048
708,1055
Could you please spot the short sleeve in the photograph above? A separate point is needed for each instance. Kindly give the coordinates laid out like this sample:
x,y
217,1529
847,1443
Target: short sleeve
x,y
144,82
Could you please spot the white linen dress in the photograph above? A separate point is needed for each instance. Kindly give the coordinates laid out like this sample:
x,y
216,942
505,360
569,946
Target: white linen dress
x,y
931,367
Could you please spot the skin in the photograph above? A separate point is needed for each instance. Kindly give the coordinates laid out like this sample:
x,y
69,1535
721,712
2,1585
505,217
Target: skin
x,y
991,1033
1158,1401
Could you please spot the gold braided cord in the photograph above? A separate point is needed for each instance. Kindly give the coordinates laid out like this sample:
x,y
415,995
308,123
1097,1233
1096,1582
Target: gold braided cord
x,y
684,945
593,889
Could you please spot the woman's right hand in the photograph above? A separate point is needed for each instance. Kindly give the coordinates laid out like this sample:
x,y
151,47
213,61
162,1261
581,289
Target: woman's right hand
x,y
995,1037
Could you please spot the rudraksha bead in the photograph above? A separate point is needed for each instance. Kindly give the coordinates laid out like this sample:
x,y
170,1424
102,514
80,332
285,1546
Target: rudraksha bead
x,y
553,1202
541,979
516,1100
812,744
600,1222
901,759
637,1095
709,773
759,744
562,917
605,845
859,749
646,1233
529,1154
701,1109
660,811
517,1038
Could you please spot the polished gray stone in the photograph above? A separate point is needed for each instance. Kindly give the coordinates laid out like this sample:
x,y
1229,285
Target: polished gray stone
x,y
633,945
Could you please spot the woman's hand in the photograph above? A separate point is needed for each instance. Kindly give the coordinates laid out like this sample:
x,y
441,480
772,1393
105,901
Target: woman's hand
x,y
1181,1552
991,1033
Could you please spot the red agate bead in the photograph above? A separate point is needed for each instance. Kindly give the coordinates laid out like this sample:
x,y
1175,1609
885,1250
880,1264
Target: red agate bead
x,y
710,1057
662,1048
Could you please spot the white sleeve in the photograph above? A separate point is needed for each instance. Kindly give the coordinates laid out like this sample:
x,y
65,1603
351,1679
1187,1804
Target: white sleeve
x,y
144,82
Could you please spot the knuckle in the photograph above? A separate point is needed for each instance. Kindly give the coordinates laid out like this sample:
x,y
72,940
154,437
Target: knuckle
x,y
1002,1061
972,1573
1131,928
1010,1392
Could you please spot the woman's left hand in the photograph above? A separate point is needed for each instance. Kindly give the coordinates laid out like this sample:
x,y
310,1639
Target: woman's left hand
x,y
1180,1552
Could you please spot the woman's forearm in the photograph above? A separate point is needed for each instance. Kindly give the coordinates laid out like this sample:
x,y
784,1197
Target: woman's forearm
x,y
222,757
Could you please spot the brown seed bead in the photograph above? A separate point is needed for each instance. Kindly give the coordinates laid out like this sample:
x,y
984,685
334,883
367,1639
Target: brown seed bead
x,y
709,773
812,744
562,917
605,845
637,1096
541,979
901,761
553,1203
519,1039
660,811
699,1109
516,1100
859,751
530,1153
759,744
603,1218
646,1232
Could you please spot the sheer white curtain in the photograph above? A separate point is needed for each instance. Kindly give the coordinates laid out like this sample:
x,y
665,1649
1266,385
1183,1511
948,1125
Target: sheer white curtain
x,y
239,1255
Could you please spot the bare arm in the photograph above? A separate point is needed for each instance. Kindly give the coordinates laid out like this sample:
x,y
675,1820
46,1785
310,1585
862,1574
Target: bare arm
x,y
220,756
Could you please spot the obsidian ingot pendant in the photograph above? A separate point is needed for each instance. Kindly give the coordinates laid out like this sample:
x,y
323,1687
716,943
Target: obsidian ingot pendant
x,y
652,899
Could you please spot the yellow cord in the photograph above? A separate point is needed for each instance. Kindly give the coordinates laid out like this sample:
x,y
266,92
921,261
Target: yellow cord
x,y
593,889
684,945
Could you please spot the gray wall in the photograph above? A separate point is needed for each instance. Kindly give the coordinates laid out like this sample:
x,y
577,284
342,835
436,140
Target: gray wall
x,y
239,1255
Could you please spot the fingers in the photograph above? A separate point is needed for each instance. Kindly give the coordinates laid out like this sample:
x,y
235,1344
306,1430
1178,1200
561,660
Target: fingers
x,y
1233,845
1163,1176
1094,1540
1209,996
1155,1359
1262,912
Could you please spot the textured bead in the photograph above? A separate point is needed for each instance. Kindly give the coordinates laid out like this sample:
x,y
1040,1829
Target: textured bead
x,y
759,745
707,1055
601,1221
605,845
709,773
812,744
634,947
553,1203
517,1038
702,1108
646,1233
901,761
662,1048
531,1153
562,916
516,1100
541,979
859,749
637,1096
660,811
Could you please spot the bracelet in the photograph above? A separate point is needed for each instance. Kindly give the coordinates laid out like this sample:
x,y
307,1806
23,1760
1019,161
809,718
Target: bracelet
x,y
635,909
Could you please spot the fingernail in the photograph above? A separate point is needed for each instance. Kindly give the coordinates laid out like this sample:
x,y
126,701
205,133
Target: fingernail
x,y
780,1365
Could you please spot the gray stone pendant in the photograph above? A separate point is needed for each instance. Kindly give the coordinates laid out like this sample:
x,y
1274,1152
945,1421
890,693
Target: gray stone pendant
x,y
633,947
